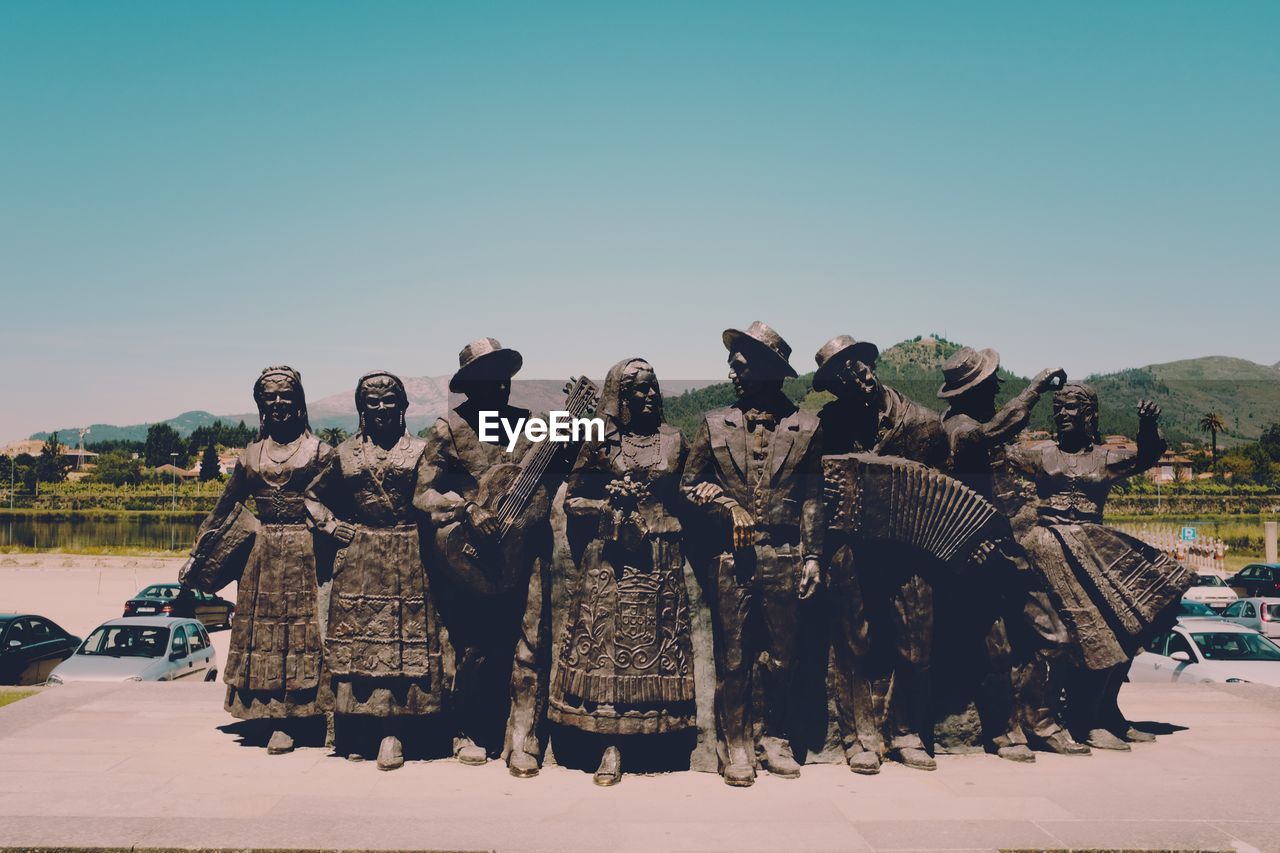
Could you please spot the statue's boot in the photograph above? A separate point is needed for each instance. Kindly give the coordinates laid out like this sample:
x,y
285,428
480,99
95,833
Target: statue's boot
x,y
1018,752
1134,735
610,770
279,744
867,763
917,759
777,758
521,764
390,754
468,751
1103,739
1060,743
740,772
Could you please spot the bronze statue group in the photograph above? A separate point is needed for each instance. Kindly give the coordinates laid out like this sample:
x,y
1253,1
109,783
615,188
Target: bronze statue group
x,y
907,563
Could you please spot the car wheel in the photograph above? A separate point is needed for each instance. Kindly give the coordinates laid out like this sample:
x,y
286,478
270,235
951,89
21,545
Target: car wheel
x,y
211,675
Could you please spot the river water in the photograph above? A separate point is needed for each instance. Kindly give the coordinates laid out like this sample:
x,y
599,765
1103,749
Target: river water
x,y
92,532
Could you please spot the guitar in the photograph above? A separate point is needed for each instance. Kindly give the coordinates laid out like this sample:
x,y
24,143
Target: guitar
x,y
516,495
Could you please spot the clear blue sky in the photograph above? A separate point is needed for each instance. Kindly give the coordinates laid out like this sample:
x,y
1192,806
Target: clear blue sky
x,y
194,190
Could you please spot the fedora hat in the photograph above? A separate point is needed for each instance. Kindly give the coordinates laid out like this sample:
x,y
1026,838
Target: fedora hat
x,y
966,369
826,357
485,359
761,339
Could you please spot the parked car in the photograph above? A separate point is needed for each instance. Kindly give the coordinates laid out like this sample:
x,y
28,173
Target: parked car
x,y
1196,610
142,648
1198,650
171,599
1211,590
30,647
1260,614
1256,579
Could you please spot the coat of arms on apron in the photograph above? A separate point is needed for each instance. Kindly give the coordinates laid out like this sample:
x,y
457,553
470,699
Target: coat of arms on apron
x,y
639,600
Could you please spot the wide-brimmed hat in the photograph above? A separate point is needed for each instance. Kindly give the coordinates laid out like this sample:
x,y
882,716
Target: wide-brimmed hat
x,y
485,359
967,368
827,356
762,340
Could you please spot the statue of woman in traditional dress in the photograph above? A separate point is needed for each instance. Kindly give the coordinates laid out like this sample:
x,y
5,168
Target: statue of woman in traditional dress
x,y
626,663
273,665
382,649
1109,588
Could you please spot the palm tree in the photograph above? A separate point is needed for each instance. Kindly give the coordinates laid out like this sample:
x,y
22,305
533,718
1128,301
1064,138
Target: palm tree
x,y
1213,424
333,435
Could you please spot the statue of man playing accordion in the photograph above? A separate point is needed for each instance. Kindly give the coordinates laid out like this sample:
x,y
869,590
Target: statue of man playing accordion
x,y
882,597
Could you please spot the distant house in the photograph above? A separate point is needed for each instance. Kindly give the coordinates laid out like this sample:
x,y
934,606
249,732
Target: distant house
x,y
33,446
227,459
166,470
1172,467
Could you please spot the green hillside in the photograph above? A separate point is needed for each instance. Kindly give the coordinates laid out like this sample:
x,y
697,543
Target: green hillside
x,y
1247,395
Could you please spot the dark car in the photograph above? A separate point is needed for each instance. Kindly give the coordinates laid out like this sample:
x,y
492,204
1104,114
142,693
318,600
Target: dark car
x,y
1257,580
171,599
30,647
1188,609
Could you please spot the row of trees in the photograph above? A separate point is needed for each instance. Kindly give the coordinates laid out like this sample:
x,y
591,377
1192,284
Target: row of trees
x,y
1257,462
126,463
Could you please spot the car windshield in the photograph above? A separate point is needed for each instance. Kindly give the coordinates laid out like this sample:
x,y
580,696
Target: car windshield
x,y
1236,645
127,641
1208,580
1195,608
157,591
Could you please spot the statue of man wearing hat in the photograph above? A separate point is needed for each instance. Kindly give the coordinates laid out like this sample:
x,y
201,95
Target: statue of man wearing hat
x,y
1007,617
498,641
755,472
867,416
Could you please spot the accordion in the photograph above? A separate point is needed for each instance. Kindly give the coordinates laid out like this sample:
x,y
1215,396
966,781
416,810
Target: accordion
x,y
893,500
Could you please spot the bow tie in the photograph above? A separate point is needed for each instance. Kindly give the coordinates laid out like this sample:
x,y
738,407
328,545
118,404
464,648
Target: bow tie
x,y
755,417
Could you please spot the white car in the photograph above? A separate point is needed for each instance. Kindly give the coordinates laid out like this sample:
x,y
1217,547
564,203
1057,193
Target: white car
x,y
1208,650
1260,614
1211,590
147,648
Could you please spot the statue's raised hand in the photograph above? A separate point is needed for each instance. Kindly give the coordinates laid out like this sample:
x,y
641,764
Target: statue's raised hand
x,y
1049,379
1148,410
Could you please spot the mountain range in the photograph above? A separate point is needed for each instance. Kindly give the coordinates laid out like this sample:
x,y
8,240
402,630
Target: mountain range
x,y
1244,393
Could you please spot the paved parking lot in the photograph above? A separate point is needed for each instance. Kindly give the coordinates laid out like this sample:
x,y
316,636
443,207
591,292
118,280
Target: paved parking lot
x,y
154,765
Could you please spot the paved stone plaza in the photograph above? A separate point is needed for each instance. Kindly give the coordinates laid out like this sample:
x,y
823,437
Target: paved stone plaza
x,y
147,765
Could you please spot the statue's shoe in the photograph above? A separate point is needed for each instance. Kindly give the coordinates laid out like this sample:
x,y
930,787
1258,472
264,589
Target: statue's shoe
x,y
468,751
866,763
1018,752
522,765
279,744
777,758
1061,743
740,775
609,772
1103,739
1133,735
390,754
916,759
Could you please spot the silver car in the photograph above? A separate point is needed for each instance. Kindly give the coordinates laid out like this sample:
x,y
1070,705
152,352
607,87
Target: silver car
x,y
1260,614
149,648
